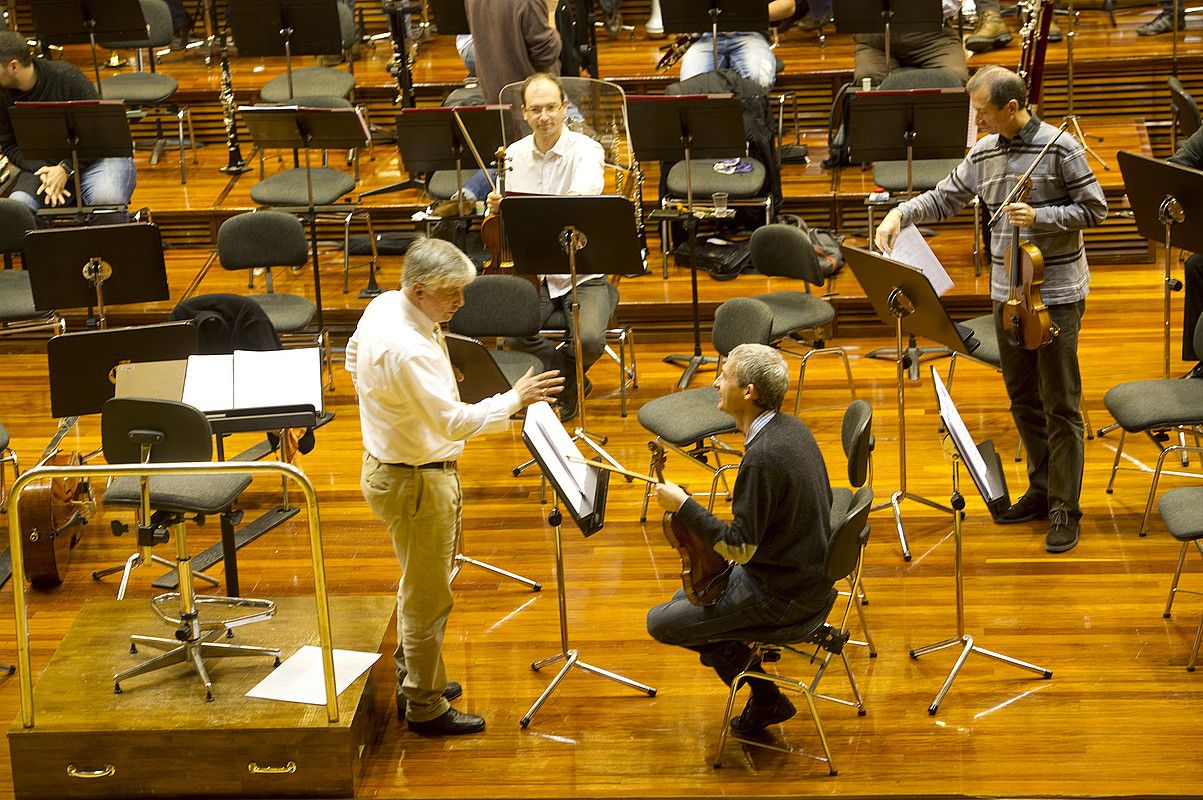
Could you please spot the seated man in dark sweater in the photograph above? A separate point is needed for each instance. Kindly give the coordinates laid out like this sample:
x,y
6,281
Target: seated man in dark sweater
x,y
1190,154
778,537
25,79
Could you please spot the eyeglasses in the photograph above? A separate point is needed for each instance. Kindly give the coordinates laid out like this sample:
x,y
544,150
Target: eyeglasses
x,y
538,111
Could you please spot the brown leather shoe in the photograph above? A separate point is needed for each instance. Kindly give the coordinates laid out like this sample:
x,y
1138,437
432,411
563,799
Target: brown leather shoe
x,y
991,32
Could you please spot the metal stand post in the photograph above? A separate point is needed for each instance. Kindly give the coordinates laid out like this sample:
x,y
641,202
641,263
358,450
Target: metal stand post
x,y
967,642
1070,117
461,559
573,241
570,656
901,306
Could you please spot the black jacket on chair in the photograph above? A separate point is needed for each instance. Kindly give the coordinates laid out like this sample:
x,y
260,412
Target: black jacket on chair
x,y
228,322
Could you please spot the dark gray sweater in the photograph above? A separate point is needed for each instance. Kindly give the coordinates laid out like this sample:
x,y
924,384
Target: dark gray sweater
x,y
56,81
513,41
781,507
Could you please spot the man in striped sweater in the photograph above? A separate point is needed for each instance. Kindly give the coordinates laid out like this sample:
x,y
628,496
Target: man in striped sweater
x,y
1044,385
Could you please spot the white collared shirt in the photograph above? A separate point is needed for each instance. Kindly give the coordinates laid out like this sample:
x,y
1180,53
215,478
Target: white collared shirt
x,y
409,406
951,8
575,164
758,425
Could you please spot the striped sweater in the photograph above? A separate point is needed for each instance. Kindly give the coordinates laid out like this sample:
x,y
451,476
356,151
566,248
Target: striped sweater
x,y
1065,195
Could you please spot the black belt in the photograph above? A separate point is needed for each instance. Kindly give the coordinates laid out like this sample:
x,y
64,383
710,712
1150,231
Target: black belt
x,y
428,465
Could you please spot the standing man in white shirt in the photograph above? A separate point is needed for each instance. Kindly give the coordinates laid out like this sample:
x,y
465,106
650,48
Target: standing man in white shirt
x,y
414,428
556,160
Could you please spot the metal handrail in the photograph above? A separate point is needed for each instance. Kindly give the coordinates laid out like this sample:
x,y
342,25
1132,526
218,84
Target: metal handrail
x,y
286,471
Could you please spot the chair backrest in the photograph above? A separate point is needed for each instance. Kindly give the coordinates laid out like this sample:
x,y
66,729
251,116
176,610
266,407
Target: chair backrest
x,y
1185,109
498,305
346,26
176,431
784,251
741,320
158,26
857,437
15,221
1198,339
844,548
262,239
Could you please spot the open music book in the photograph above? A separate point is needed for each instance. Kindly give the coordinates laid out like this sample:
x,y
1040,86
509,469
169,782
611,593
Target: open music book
x,y
244,379
580,487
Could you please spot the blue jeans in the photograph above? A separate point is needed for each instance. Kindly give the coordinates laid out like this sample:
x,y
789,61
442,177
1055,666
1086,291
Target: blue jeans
x,y
106,182
746,53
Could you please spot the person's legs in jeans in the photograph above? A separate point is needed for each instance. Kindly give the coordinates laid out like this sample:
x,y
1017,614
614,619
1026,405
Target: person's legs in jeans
x,y
109,182
749,55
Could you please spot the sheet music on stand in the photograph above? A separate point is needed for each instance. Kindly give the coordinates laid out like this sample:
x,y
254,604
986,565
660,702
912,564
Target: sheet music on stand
x,y
913,250
982,461
254,379
582,488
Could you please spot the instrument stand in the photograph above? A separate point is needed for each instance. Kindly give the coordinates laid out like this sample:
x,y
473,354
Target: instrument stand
x,y
904,298
681,128
570,656
967,643
1075,125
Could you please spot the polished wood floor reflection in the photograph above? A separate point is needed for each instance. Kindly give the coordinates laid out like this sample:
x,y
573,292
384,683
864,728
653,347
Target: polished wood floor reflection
x,y
1118,718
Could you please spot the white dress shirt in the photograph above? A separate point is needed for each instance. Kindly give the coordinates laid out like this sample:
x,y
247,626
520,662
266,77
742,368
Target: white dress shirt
x,y
409,406
575,164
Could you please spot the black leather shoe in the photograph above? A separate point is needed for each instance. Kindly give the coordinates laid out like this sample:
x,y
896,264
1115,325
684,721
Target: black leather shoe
x,y
756,718
1196,371
452,691
450,723
1025,509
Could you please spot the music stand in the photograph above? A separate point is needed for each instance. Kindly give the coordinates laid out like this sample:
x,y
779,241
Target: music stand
x,y
572,236
888,16
450,16
78,130
430,139
77,21
96,266
989,478
904,299
731,16
478,377
295,128
286,28
908,124
667,128
582,489
1167,203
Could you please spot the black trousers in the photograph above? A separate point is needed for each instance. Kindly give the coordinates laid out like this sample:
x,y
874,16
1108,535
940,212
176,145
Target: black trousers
x,y
1192,305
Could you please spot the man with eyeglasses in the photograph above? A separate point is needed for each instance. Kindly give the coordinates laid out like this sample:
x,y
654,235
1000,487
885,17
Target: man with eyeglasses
x,y
555,160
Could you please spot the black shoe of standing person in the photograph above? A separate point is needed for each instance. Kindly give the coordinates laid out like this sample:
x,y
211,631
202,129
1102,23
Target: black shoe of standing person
x,y
758,716
1062,532
449,723
1027,508
450,693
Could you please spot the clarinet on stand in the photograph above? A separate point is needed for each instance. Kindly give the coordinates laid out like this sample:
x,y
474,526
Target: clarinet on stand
x,y
235,165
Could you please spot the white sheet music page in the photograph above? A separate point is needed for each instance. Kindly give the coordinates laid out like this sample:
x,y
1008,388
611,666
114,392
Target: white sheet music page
x,y
209,382
554,445
271,378
964,441
911,249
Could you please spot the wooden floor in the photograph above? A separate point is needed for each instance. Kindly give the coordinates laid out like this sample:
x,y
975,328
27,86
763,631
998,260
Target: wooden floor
x,y
1117,719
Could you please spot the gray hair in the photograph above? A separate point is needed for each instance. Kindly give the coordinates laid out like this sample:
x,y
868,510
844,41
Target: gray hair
x,y
437,265
1001,85
762,367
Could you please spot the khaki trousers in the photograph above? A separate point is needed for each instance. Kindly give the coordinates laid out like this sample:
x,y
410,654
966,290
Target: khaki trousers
x,y
421,508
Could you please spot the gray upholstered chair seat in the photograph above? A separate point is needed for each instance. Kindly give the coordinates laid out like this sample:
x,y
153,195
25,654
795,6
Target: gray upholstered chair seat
x,y
706,181
288,313
193,494
685,417
926,173
1182,511
987,338
1145,405
308,81
442,184
139,87
290,188
794,311
16,298
515,363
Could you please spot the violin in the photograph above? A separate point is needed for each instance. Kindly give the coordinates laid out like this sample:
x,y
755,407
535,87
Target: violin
x,y
492,232
704,573
1025,316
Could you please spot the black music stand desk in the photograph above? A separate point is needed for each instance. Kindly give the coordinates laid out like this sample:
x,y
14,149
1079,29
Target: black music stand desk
x,y
888,17
988,476
286,28
712,16
683,128
78,21
1167,202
